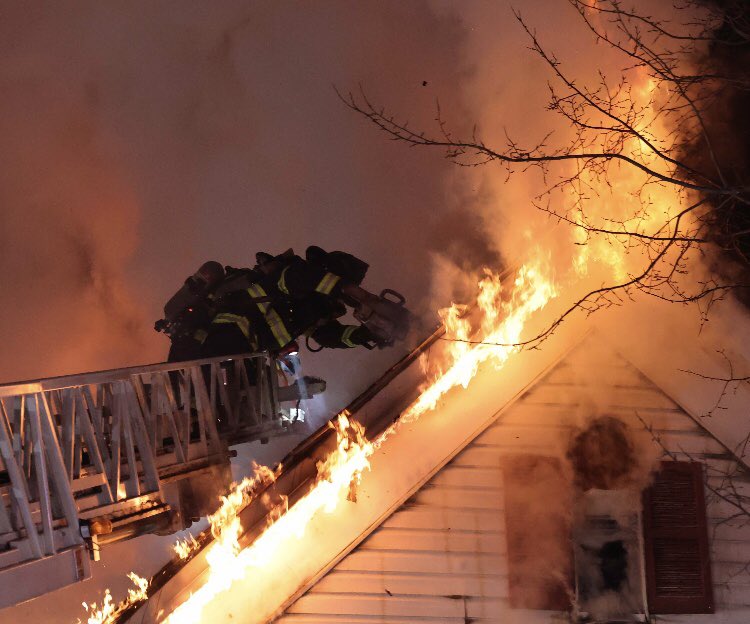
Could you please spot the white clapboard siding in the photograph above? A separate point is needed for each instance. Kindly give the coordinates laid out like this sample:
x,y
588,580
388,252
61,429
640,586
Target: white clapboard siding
x,y
420,562
454,540
414,584
447,519
459,608
441,558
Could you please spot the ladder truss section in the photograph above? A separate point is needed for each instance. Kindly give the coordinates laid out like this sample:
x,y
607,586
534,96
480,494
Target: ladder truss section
x,y
93,458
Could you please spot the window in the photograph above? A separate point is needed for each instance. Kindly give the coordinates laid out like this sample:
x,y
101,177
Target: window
x,y
537,525
602,455
608,554
606,528
678,567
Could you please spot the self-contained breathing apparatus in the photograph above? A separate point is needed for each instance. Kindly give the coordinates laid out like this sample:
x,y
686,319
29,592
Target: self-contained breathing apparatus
x,y
191,308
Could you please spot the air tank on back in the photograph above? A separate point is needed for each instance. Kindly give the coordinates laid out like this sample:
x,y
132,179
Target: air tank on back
x,y
194,290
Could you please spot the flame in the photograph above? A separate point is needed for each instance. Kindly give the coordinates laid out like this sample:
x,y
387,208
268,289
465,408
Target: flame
x,y
622,200
141,588
338,476
533,288
457,324
104,614
186,547
109,611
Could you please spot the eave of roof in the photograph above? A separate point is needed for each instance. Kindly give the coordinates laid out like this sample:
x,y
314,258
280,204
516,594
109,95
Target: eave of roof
x,y
377,409
298,468
403,464
450,423
673,358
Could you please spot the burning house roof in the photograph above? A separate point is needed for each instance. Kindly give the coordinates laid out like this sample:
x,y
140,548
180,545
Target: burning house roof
x,y
278,535
378,472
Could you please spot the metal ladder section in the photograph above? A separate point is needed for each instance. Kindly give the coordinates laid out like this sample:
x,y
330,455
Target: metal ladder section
x,y
95,458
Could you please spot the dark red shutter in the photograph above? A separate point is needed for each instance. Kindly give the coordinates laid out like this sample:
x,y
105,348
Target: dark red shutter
x,y
537,526
678,565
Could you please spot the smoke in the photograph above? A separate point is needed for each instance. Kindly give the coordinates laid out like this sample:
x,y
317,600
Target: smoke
x,y
507,93
587,487
509,100
719,146
596,372
69,222
142,140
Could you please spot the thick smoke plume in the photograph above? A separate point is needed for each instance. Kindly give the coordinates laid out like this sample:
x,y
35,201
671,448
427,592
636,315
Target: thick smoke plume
x,y
724,54
140,141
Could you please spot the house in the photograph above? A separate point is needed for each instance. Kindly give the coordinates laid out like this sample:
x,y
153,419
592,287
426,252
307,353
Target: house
x,y
583,481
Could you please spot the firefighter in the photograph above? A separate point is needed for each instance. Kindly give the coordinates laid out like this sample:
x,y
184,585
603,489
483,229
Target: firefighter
x,y
188,312
285,297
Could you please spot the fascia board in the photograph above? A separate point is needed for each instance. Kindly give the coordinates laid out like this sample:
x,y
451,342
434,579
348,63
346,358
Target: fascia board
x,y
403,464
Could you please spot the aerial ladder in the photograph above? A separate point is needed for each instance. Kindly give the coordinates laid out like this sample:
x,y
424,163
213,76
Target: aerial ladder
x,y
91,459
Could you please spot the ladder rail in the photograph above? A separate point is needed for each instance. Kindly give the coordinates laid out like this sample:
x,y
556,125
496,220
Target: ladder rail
x,y
88,453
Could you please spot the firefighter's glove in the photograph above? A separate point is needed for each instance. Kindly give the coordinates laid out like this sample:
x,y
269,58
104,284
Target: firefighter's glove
x,y
387,320
363,336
